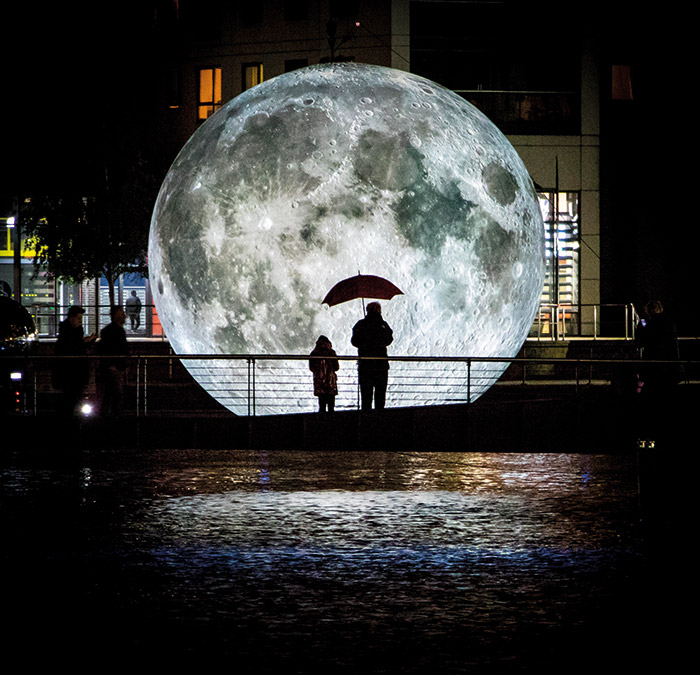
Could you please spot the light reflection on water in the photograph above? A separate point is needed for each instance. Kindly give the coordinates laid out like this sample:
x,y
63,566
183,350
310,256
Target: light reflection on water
x,y
362,562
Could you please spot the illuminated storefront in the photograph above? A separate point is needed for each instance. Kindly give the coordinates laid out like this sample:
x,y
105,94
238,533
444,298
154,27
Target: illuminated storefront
x,y
48,300
560,303
37,291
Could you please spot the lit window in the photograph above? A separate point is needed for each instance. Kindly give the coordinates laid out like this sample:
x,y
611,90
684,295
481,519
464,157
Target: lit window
x,y
209,92
561,231
252,74
6,232
560,214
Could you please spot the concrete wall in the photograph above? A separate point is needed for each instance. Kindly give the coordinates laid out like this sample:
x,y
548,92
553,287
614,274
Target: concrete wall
x,y
577,159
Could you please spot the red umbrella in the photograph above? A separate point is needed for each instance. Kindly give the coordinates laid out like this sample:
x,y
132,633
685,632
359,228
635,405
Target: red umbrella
x,y
361,286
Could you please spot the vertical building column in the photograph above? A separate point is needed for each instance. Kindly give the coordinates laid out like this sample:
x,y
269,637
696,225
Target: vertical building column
x,y
590,187
400,35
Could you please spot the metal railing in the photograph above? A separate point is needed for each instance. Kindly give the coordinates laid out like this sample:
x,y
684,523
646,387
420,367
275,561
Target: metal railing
x,y
565,322
262,384
48,317
527,112
552,322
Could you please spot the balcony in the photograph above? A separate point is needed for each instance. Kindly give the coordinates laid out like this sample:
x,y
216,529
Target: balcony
x,y
555,113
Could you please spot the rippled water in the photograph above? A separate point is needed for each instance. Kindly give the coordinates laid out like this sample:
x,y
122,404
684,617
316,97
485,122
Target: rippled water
x,y
353,562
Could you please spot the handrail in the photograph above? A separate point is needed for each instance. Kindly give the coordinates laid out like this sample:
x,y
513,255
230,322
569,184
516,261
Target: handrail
x,y
587,320
257,381
553,322
305,357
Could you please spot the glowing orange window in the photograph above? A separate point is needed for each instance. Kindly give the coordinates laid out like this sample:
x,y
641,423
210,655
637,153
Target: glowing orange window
x,y
209,92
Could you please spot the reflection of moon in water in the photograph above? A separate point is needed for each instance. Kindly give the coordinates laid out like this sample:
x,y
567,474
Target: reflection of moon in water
x,y
311,176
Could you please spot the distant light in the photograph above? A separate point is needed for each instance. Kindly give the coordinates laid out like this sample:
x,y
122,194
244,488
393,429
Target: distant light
x,y
86,409
357,24
16,376
11,221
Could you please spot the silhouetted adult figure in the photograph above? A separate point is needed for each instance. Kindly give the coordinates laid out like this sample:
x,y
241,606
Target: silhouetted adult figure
x,y
111,372
71,376
372,335
657,338
324,369
133,310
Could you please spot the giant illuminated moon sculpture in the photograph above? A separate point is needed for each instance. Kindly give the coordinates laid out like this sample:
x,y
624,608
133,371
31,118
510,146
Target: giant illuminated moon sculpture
x,y
320,173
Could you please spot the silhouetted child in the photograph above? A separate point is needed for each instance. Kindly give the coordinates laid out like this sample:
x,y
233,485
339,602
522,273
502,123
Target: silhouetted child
x,y
324,370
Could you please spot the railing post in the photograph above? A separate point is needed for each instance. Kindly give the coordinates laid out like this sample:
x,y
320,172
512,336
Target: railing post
x,y
595,322
36,387
563,323
145,387
251,387
630,324
469,380
553,319
138,386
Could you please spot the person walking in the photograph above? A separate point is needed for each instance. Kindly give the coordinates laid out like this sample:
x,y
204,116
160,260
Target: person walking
x,y
133,310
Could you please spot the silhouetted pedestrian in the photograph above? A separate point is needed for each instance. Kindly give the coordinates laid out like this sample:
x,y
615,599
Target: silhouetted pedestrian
x,y
71,376
372,335
324,370
133,310
111,372
657,338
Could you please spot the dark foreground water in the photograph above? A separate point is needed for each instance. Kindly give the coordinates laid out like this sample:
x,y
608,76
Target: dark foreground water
x,y
293,562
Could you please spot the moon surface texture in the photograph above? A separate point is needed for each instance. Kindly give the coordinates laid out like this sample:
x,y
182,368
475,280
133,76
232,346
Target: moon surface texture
x,y
324,172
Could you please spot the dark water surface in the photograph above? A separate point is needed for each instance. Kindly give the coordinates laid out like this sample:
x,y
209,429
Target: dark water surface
x,y
347,562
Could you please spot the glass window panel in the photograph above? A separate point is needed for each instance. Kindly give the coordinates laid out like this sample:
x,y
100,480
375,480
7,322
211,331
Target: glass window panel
x,y
252,74
217,85
621,83
209,92
5,238
206,84
560,214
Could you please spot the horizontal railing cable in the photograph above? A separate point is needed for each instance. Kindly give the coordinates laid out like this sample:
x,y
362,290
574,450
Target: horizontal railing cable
x,y
251,384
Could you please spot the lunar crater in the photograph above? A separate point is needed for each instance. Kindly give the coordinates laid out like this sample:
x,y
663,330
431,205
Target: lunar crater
x,y
500,184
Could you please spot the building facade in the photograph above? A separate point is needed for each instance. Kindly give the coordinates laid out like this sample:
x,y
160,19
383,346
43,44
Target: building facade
x,y
537,71
535,76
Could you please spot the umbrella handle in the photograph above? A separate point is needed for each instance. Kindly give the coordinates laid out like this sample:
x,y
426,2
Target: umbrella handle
x,y
364,312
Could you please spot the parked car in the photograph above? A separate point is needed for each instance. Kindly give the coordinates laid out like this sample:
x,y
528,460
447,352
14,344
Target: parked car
x,y
18,338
